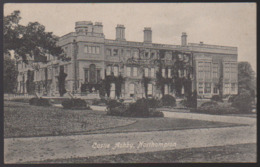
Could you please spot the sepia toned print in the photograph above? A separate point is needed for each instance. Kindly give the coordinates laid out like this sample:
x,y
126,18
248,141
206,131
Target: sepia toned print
x,y
109,85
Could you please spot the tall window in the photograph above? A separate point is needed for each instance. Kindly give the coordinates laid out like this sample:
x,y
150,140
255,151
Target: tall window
x,y
227,70
146,72
226,88
163,72
233,71
108,70
131,90
233,87
207,67
215,89
98,75
152,72
166,89
200,87
134,71
169,73
108,52
207,88
135,54
115,52
128,71
115,70
215,70
200,70
150,89
97,50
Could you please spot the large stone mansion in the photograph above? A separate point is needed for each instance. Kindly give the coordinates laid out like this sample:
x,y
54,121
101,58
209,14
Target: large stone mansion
x,y
93,58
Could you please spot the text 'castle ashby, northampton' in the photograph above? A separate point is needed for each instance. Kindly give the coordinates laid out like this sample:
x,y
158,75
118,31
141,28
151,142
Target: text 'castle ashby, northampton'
x,y
132,69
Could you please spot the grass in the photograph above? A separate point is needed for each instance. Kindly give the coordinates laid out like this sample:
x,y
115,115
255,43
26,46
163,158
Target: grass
x,y
23,120
228,153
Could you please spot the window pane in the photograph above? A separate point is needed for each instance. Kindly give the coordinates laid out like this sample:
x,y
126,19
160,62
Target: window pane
x,y
150,89
146,72
108,70
135,71
93,49
97,50
115,71
128,71
152,72
163,72
86,49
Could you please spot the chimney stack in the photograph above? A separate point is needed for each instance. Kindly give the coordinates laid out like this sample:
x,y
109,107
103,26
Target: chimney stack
x,y
147,35
120,32
184,39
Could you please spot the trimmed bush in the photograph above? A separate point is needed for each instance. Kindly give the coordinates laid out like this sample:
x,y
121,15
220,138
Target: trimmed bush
x,y
209,103
113,104
231,98
243,102
118,111
153,103
216,109
39,102
75,104
216,98
139,109
154,113
168,100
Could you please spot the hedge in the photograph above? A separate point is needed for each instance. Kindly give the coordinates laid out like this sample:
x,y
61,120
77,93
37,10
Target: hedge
x,y
75,104
168,100
39,102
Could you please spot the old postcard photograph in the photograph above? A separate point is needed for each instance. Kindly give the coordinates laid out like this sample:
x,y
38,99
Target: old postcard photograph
x,y
129,83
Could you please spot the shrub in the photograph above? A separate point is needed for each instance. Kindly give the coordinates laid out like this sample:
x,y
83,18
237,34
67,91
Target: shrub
x,y
243,102
39,101
153,103
216,109
118,111
168,100
216,98
138,109
209,103
99,101
113,104
75,104
231,98
154,113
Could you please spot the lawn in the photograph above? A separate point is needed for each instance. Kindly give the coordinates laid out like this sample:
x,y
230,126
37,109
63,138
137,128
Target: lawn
x,y
23,120
229,153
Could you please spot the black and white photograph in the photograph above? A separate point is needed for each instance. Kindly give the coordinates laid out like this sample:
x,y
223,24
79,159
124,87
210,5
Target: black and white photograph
x,y
88,83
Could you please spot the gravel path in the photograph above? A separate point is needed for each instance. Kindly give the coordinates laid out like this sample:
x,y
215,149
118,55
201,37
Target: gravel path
x,y
20,150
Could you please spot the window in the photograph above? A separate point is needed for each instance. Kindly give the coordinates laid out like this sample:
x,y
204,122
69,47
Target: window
x,y
128,71
200,88
86,75
132,90
207,88
115,53
215,70
207,67
147,55
128,53
136,56
89,49
163,72
226,88
233,71
86,49
152,72
115,70
108,52
227,70
200,70
112,90
150,89
166,89
93,49
146,72
108,70
169,73
135,71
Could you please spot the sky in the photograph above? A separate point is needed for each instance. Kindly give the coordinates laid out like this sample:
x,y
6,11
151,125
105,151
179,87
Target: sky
x,y
226,24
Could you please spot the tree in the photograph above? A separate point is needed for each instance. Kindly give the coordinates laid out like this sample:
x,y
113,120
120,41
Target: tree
x,y
10,74
246,78
61,81
31,40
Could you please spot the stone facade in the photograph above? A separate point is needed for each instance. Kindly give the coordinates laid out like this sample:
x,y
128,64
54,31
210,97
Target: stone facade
x,y
93,57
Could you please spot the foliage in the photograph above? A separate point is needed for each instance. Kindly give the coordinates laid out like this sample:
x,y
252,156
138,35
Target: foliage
x,y
168,100
61,81
112,104
243,101
139,109
153,103
106,85
75,104
154,113
145,81
39,101
29,40
231,98
216,98
118,85
99,102
246,78
30,85
209,103
10,75
215,109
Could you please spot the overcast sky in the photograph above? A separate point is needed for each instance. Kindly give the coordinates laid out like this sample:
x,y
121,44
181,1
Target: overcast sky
x,y
228,24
